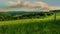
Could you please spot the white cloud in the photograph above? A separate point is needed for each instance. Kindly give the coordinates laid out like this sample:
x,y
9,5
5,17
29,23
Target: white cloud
x,y
28,4
10,3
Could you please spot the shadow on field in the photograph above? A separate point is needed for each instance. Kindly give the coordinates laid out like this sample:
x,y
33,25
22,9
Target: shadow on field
x,y
48,27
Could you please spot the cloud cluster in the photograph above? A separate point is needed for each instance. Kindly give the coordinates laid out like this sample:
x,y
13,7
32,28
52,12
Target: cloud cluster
x,y
10,3
27,4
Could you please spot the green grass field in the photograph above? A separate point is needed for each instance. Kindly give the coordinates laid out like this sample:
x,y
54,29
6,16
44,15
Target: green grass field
x,y
31,26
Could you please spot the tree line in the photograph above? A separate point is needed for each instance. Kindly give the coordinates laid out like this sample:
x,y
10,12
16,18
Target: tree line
x,y
4,16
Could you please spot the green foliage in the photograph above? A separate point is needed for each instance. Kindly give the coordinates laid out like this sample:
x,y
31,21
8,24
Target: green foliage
x,y
4,16
31,26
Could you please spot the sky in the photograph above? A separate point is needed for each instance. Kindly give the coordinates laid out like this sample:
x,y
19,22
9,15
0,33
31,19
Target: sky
x,y
50,3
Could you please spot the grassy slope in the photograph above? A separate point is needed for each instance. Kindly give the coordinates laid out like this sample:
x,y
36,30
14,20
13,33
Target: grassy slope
x,y
58,15
50,18
30,26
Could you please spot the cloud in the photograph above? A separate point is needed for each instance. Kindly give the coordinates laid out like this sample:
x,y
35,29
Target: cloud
x,y
28,4
54,8
42,4
10,3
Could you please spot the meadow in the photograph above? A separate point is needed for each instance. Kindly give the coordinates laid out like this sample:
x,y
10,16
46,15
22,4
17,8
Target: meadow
x,y
44,25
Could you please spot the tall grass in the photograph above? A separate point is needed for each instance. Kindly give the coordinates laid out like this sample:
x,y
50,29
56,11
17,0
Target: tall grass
x,y
30,26
46,27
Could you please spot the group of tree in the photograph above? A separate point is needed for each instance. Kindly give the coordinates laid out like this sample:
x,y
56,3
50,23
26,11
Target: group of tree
x,y
6,16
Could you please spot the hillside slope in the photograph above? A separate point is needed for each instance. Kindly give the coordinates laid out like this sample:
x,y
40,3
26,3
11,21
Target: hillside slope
x,y
31,26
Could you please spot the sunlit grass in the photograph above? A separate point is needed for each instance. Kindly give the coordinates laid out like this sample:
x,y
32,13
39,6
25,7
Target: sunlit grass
x,y
26,20
31,26
58,16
